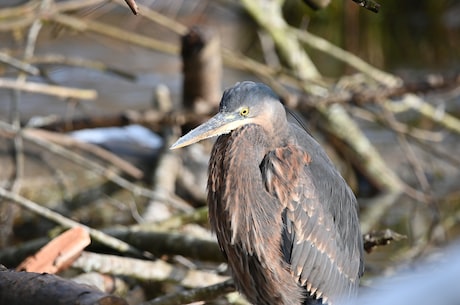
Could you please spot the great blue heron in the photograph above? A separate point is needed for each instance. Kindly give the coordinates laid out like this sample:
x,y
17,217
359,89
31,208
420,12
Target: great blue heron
x,y
285,219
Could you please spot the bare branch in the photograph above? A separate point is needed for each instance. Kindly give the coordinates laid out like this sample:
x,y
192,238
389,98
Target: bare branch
x,y
157,270
59,91
194,295
101,237
369,5
380,238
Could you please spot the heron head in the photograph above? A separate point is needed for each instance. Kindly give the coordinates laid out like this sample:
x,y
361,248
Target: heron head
x,y
245,103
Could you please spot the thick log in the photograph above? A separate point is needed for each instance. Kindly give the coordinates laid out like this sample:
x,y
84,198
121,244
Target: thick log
x,y
27,288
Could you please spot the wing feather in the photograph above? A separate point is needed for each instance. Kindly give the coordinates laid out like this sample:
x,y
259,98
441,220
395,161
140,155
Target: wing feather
x,y
326,259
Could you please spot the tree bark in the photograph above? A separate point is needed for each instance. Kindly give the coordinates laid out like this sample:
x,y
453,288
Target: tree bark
x,y
27,288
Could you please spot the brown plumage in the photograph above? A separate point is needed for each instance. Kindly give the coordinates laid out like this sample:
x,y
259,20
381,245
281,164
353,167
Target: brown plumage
x,y
284,217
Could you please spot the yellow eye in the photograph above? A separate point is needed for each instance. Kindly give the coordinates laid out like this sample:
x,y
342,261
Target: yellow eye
x,y
244,111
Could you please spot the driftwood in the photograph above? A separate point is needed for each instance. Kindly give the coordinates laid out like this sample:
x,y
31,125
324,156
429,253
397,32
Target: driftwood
x,y
157,270
34,288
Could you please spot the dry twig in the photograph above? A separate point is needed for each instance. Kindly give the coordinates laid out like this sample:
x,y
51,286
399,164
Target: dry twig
x,y
97,235
381,238
194,295
58,91
157,270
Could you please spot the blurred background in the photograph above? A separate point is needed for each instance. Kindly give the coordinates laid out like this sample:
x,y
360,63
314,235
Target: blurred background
x,y
128,72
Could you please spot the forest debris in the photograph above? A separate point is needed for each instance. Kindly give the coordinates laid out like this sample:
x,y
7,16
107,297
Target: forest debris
x,y
108,173
72,143
380,238
368,158
28,288
269,16
415,102
194,295
352,60
369,5
157,270
97,235
113,32
168,164
59,91
18,64
59,253
58,59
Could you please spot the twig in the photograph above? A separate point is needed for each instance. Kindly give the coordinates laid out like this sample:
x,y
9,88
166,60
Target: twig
x,y
19,11
440,152
15,118
18,64
352,60
268,15
168,164
70,142
380,238
341,125
24,15
97,235
57,59
97,168
157,270
194,295
396,126
59,91
415,164
114,32
411,101
160,19
376,208
369,5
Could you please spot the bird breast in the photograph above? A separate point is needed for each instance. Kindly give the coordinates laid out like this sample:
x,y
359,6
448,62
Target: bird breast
x,y
247,219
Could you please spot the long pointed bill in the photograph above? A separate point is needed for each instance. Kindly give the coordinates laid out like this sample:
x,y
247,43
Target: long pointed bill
x,y
219,124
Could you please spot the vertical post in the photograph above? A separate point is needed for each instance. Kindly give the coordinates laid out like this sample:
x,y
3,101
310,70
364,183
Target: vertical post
x,y
202,68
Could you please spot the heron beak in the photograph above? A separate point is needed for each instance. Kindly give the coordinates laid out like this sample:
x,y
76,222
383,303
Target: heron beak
x,y
219,124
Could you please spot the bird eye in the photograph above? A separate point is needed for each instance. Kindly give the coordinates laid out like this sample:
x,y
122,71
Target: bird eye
x,y
244,111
